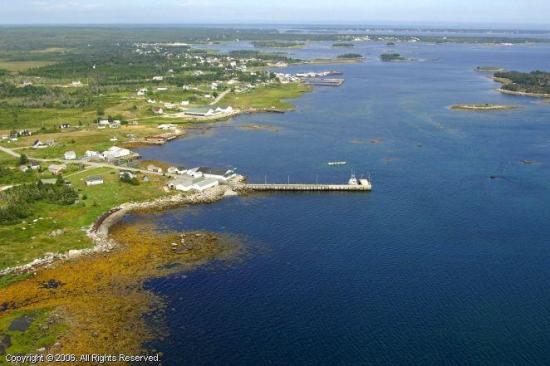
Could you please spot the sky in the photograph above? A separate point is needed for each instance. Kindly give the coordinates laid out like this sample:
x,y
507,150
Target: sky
x,y
515,13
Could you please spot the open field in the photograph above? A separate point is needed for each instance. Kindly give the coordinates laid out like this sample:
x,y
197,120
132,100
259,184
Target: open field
x,y
53,228
17,66
268,97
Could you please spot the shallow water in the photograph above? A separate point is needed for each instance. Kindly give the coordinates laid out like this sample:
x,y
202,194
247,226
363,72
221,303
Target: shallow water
x,y
439,264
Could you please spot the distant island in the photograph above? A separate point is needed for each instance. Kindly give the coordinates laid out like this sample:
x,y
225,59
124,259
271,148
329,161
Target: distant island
x,y
483,107
535,83
390,57
343,45
278,44
489,69
350,56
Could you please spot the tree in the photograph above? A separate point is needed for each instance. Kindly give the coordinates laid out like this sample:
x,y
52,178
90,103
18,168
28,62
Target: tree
x,y
23,159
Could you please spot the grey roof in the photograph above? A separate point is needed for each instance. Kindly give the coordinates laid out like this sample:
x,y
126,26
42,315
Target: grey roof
x,y
213,171
206,181
93,178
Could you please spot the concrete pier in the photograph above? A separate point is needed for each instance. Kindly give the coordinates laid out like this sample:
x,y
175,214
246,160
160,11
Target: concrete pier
x,y
307,187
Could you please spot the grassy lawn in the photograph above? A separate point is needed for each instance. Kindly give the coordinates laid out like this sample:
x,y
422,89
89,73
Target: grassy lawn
x,y
81,140
17,66
19,118
42,331
272,96
21,243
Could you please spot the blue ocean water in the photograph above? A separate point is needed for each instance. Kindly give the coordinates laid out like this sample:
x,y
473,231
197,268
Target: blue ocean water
x,y
440,264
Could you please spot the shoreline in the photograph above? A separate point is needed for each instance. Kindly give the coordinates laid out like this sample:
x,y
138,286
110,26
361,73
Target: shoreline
x,y
99,229
482,107
523,94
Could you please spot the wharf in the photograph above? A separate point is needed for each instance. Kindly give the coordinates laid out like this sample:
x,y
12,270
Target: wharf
x,y
307,187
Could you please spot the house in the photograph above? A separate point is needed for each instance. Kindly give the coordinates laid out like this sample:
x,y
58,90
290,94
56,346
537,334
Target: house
x,y
176,170
103,123
167,126
208,112
184,183
154,168
39,145
205,183
64,126
115,124
162,88
76,83
57,169
48,181
184,103
158,111
142,91
158,78
34,165
114,153
127,173
70,155
93,155
199,112
94,180
23,168
194,172
222,175
187,183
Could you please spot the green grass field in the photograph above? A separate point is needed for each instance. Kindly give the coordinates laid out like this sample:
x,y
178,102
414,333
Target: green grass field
x,y
23,242
266,97
17,66
42,331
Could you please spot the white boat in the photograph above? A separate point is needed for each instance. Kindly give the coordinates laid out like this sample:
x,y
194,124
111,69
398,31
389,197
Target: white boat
x,y
331,163
353,181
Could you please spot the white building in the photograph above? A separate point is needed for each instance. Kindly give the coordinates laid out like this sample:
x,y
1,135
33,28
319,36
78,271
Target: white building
x,y
158,78
56,169
103,124
70,155
154,168
39,145
176,170
167,126
115,124
93,155
187,183
94,180
222,175
115,153
142,91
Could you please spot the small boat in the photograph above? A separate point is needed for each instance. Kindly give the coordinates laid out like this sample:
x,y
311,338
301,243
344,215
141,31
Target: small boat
x,y
353,181
331,163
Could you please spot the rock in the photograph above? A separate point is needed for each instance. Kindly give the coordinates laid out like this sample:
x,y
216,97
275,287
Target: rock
x,y
5,343
21,324
51,284
73,253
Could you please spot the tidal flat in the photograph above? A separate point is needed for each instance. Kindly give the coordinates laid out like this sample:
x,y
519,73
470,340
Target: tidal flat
x,y
99,303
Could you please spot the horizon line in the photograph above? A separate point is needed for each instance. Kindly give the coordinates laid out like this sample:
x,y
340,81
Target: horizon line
x,y
380,24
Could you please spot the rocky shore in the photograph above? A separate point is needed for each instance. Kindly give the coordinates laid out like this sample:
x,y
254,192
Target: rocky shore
x,y
524,94
99,231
